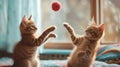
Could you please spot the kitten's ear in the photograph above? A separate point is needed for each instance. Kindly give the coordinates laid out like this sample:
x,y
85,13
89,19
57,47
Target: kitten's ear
x,y
101,27
24,19
93,22
30,17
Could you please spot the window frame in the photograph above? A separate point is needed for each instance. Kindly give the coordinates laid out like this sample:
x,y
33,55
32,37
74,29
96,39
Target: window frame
x,y
96,12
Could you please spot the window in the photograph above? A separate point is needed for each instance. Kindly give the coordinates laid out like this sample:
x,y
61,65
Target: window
x,y
78,13
75,12
111,18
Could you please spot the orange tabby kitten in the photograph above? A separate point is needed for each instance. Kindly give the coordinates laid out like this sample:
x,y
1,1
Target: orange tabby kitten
x,y
84,52
25,52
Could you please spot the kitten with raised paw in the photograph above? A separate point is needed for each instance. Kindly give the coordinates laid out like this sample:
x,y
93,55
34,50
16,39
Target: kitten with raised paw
x,y
86,46
25,51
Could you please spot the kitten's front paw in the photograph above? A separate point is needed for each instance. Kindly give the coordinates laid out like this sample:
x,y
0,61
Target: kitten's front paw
x,y
52,28
52,35
65,24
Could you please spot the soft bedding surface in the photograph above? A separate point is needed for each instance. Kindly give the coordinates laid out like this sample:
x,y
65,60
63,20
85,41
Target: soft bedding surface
x,y
54,63
5,61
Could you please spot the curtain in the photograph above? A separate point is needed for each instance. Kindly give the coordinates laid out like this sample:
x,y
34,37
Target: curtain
x,y
11,13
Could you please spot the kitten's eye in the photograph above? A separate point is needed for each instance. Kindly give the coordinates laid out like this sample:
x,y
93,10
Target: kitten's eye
x,y
33,27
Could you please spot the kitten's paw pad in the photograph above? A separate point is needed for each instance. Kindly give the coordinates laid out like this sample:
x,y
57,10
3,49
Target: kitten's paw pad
x,y
52,35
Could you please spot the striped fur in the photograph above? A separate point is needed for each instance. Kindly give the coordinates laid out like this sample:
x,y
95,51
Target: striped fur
x,y
84,52
25,52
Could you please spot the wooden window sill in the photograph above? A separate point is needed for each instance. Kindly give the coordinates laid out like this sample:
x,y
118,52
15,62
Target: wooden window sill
x,y
66,45
58,45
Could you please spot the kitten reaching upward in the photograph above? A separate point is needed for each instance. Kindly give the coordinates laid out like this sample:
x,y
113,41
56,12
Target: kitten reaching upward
x,y
84,52
25,51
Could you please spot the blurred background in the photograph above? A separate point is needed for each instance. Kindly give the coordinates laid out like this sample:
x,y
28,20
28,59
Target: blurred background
x,y
76,12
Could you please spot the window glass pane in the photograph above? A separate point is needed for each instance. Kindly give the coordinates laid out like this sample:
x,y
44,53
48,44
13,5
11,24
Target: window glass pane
x,y
111,18
75,12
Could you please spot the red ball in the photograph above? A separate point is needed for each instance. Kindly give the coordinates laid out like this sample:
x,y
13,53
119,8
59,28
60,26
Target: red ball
x,y
56,6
